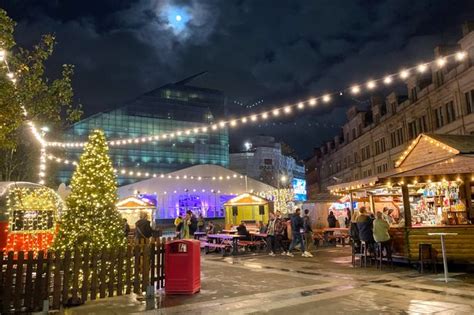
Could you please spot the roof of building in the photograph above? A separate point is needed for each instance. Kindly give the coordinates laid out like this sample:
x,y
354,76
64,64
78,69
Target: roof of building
x,y
196,178
463,143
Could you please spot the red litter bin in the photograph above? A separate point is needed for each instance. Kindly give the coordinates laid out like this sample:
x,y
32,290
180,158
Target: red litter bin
x,y
182,267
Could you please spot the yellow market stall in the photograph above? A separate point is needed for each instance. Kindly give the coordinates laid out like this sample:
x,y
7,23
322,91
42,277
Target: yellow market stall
x,y
131,207
246,207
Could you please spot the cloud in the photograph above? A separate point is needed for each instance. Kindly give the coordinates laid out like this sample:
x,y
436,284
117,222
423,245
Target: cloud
x,y
280,51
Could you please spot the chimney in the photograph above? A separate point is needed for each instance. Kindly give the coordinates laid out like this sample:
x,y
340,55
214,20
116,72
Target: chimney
x,y
467,27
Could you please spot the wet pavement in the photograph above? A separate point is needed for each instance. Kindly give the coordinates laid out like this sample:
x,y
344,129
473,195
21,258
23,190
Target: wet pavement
x,y
325,284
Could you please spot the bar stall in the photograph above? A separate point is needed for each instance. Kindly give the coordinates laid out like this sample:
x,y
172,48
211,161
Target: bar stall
x,y
429,191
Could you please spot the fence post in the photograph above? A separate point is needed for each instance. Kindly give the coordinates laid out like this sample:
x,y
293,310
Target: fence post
x,y
6,296
29,282
66,276
111,272
57,281
85,278
38,296
136,269
18,281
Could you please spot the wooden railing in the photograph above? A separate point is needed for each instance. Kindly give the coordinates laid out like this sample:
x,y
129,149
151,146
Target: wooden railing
x,y
32,281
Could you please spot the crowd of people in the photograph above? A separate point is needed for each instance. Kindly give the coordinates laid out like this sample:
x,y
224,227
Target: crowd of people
x,y
284,234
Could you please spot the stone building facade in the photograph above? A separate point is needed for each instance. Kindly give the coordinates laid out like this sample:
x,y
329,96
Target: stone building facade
x,y
441,100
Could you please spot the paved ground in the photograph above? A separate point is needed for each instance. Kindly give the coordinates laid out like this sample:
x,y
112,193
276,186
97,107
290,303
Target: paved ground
x,y
325,284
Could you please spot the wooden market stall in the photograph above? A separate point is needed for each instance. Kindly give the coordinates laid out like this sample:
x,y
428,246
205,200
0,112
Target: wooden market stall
x,y
246,207
131,207
429,191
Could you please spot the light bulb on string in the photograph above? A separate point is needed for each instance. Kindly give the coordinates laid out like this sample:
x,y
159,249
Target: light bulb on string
x,y
460,55
387,80
326,98
371,85
441,62
404,74
355,89
422,68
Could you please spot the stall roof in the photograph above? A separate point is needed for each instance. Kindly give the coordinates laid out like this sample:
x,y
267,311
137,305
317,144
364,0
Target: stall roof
x,y
428,154
325,197
134,202
246,199
369,181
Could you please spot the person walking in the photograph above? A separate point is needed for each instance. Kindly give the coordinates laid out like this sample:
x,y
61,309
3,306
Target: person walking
x,y
143,228
308,232
297,225
332,220
271,234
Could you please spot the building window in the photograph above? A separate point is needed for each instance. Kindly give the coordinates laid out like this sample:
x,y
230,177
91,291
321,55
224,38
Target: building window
x,y
469,101
412,130
382,168
347,137
396,137
439,119
450,113
422,126
366,153
393,106
354,134
439,77
380,146
413,95
356,157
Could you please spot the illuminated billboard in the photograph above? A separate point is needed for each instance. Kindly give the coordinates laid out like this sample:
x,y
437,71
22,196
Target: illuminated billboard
x,y
299,188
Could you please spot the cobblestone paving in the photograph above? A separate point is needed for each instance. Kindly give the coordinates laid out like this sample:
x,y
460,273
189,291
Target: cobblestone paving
x,y
325,284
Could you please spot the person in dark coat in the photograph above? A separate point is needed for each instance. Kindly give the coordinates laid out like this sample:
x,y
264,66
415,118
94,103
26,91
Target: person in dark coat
x,y
242,230
126,227
332,220
194,223
297,227
143,227
365,227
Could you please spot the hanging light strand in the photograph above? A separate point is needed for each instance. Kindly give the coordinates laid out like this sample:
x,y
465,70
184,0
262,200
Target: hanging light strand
x,y
279,111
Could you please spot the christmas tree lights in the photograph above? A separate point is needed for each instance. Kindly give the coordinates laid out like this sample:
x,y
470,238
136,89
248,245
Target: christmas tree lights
x,y
92,219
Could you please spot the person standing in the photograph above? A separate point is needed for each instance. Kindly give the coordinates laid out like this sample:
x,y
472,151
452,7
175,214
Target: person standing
x,y
126,228
185,229
332,220
193,222
200,223
381,234
178,223
308,232
280,230
143,228
365,226
297,225
271,234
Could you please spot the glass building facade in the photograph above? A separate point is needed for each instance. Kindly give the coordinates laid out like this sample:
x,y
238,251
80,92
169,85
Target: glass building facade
x,y
167,109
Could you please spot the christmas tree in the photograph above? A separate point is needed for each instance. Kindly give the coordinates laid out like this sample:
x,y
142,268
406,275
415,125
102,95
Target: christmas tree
x,y
92,219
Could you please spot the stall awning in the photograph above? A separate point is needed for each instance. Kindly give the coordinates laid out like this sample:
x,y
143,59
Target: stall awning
x,y
245,200
357,184
457,165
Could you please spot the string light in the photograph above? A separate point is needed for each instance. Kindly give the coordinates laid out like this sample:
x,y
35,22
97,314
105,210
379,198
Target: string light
x,y
460,55
403,74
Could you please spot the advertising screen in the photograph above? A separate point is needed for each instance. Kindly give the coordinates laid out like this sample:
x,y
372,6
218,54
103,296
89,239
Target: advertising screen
x,y
299,187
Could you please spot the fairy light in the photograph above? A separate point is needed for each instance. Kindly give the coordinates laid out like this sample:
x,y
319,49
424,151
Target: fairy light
x,y
422,68
371,85
404,74
460,55
441,62
276,112
355,89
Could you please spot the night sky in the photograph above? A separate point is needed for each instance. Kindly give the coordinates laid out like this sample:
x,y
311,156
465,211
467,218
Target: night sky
x,y
276,51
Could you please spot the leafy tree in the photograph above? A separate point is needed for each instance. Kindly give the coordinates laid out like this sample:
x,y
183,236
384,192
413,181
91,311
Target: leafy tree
x,y
92,219
45,101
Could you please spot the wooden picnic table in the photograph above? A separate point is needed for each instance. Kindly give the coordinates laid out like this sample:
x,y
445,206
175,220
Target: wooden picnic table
x,y
223,237
197,235
335,233
229,231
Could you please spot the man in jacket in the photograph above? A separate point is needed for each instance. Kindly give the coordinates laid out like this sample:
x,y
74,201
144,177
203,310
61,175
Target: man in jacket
x,y
143,227
308,232
194,223
297,227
